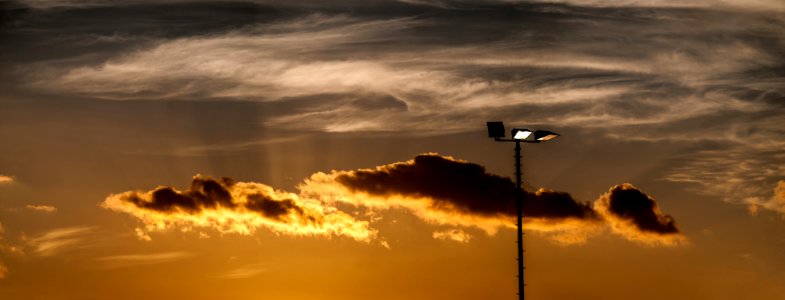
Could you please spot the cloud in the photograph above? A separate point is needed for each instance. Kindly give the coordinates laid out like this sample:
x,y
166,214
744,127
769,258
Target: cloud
x,y
446,191
775,203
58,240
707,71
439,190
585,74
717,4
454,234
42,208
742,170
235,207
5,179
242,272
637,216
117,261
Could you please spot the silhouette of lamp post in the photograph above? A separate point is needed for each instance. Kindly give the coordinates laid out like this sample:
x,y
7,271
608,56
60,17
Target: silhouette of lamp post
x,y
519,135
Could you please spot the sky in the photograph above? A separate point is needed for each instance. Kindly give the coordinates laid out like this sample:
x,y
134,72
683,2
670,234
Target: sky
x,y
338,150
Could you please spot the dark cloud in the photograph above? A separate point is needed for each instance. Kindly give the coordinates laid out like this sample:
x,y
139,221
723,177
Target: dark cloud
x,y
204,193
274,209
450,183
459,187
438,189
628,203
462,186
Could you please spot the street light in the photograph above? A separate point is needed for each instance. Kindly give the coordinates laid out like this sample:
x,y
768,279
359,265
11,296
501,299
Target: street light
x,y
496,131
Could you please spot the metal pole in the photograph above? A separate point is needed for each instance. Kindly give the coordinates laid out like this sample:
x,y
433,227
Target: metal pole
x,y
519,207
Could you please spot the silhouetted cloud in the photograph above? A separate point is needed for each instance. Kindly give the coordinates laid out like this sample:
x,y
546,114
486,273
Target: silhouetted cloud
x,y
462,187
447,191
437,189
637,216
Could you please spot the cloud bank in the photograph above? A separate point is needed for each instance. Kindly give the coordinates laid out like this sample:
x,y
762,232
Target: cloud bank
x,y
439,190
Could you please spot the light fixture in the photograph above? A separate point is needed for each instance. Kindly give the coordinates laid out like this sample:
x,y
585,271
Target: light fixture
x,y
544,135
522,134
496,131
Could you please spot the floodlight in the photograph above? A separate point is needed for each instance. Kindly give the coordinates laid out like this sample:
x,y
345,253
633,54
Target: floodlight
x,y
521,134
544,135
496,129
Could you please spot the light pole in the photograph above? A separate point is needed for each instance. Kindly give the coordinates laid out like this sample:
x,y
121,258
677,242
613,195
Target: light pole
x,y
496,131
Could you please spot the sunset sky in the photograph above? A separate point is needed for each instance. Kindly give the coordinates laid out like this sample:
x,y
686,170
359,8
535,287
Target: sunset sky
x,y
337,149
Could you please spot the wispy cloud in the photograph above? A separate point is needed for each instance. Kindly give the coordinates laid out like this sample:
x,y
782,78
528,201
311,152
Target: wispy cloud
x,y
247,271
775,203
707,71
52,242
42,208
118,261
607,73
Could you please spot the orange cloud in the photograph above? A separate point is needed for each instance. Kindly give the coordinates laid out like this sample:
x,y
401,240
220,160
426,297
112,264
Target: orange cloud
x,y
42,208
454,234
235,207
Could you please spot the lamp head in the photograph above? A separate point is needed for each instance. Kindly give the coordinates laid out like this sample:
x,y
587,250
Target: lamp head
x,y
496,130
522,134
544,135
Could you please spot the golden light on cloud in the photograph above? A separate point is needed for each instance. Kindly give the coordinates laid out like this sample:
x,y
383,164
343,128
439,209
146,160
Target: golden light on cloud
x,y
5,179
453,234
438,190
239,208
